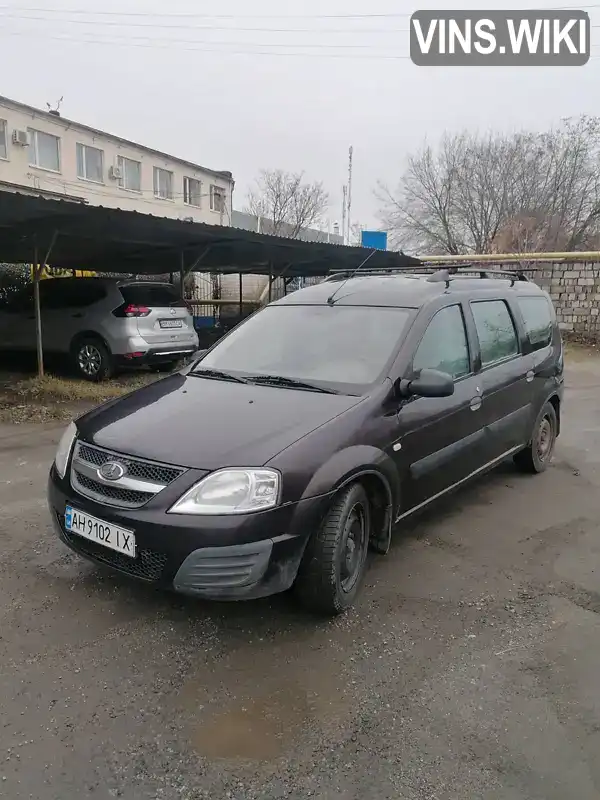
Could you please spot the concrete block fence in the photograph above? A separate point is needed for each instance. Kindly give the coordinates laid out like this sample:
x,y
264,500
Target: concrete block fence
x,y
575,290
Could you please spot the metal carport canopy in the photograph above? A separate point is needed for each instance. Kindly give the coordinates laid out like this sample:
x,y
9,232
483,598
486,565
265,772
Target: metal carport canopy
x,y
75,235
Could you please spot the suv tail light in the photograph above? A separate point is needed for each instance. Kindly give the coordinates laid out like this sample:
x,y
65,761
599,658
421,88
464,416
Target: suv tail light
x,y
131,310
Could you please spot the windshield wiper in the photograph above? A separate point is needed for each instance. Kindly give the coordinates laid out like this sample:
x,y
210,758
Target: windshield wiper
x,y
217,375
290,383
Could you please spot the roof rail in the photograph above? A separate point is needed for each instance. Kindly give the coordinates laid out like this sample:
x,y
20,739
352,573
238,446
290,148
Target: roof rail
x,y
336,274
451,273
434,272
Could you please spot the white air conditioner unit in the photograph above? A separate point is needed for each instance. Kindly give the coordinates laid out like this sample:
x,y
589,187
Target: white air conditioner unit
x,y
115,173
21,138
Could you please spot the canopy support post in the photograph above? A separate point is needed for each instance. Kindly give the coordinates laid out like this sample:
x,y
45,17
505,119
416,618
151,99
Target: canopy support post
x,y
37,271
182,276
241,295
270,281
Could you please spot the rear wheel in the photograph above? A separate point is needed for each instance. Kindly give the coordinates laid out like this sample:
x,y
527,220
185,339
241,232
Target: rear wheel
x,y
335,561
92,359
538,455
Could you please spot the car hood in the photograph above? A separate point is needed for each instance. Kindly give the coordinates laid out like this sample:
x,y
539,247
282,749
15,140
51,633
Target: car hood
x,y
196,422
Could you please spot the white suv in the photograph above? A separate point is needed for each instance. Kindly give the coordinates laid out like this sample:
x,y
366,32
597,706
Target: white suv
x,y
102,324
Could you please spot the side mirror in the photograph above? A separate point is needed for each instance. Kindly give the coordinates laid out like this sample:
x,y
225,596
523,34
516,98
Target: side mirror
x,y
430,383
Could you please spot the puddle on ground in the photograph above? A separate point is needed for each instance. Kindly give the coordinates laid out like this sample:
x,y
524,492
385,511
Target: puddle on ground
x,y
260,710
260,728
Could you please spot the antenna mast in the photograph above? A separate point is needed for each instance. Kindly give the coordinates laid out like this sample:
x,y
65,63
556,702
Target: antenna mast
x,y
344,210
350,155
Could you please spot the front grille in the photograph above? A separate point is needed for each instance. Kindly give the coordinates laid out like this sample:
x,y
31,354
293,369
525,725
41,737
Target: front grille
x,y
143,470
141,481
125,497
147,565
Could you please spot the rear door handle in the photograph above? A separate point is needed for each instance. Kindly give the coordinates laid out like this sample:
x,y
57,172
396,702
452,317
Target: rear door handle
x,y
476,403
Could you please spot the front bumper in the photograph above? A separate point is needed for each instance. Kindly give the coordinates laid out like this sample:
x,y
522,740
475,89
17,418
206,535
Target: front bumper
x,y
221,558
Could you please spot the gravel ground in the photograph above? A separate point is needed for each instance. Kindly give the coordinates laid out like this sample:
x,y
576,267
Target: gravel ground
x,y
469,668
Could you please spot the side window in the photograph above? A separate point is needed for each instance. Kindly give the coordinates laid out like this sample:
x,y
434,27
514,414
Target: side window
x,y
538,318
85,293
496,331
444,344
54,294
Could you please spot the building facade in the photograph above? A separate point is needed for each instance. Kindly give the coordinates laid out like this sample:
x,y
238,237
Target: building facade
x,y
255,288
249,222
45,154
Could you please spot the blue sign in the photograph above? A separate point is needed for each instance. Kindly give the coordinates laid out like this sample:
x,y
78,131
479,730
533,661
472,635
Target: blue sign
x,y
375,240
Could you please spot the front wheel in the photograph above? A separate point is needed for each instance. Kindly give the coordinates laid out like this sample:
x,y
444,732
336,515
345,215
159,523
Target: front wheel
x,y
538,454
335,561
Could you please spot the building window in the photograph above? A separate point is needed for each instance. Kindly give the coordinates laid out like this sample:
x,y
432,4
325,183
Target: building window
x,y
44,150
131,174
192,192
90,163
217,198
3,146
163,183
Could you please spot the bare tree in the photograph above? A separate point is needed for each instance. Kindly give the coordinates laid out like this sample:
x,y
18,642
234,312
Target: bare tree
x,y
500,193
286,202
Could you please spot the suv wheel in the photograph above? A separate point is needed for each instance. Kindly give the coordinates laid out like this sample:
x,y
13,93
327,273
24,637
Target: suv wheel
x,y
92,359
538,455
335,561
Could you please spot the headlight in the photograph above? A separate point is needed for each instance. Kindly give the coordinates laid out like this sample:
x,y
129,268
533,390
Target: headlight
x,y
61,459
231,491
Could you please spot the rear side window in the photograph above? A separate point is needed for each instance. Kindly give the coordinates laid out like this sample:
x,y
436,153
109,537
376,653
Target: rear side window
x,y
70,293
496,331
538,319
159,295
444,345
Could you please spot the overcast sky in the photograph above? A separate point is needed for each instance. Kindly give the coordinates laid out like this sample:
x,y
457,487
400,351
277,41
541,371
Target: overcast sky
x,y
273,84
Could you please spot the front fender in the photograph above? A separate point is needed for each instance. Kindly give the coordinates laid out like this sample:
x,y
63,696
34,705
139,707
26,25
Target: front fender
x,y
350,462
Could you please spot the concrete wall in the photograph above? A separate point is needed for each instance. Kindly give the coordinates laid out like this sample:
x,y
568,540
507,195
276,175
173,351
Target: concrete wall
x,y
575,291
18,172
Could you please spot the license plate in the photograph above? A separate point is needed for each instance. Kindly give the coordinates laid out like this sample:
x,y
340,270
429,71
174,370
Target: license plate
x,y
171,323
96,530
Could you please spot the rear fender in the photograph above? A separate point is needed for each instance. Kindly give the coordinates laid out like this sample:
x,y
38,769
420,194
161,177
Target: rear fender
x,y
88,335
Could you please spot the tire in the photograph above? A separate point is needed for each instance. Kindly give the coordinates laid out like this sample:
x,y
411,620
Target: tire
x,y
92,359
332,571
538,454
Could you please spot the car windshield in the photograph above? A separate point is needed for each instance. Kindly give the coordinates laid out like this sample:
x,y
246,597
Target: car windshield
x,y
334,345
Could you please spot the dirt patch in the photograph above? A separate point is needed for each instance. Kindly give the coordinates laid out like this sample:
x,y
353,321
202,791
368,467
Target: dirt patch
x,y
579,351
59,398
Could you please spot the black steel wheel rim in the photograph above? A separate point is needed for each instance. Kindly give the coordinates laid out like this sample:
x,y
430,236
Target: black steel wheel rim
x,y
545,439
353,546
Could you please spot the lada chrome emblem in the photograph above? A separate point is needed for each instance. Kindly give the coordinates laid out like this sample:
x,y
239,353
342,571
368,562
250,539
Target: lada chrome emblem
x,y
111,471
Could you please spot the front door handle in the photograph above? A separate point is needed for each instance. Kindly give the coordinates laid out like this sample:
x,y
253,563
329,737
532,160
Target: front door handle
x,y
476,403
530,376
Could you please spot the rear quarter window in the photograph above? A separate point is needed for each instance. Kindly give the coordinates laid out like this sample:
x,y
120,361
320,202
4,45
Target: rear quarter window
x,y
538,317
159,295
